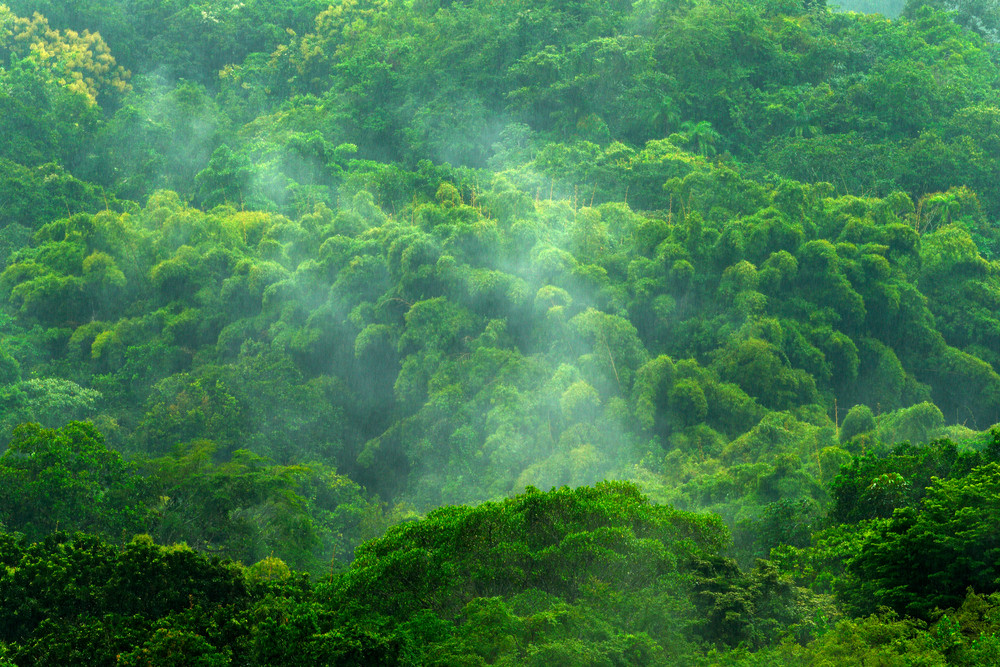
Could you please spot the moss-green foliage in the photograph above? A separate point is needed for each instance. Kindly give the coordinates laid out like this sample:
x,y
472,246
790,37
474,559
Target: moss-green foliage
x,y
966,635
403,332
561,543
310,270
904,521
873,486
68,478
596,574
244,509
859,421
951,530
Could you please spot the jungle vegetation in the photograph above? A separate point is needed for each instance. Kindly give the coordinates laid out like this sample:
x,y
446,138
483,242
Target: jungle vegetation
x,y
458,332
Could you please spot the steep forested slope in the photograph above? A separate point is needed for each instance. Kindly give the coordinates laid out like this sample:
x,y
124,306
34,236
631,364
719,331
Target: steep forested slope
x,y
307,271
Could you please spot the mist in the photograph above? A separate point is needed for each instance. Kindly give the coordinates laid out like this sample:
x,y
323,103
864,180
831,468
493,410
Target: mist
x,y
517,333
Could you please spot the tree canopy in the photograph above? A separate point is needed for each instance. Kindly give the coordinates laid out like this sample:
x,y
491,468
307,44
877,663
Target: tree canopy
x,y
389,332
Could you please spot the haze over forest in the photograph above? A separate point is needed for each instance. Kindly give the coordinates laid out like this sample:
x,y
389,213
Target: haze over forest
x,y
520,332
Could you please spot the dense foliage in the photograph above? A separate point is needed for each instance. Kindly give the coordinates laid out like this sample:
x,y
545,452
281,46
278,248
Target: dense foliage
x,y
300,287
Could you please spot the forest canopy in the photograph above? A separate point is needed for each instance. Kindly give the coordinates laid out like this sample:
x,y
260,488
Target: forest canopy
x,y
385,332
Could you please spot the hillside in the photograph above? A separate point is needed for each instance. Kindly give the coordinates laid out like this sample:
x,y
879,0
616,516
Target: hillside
x,y
277,278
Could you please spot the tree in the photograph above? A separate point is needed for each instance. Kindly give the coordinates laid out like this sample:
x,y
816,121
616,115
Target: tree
x,y
67,478
616,352
872,486
702,135
980,16
556,542
226,180
10,370
928,556
859,420
82,62
757,367
50,401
